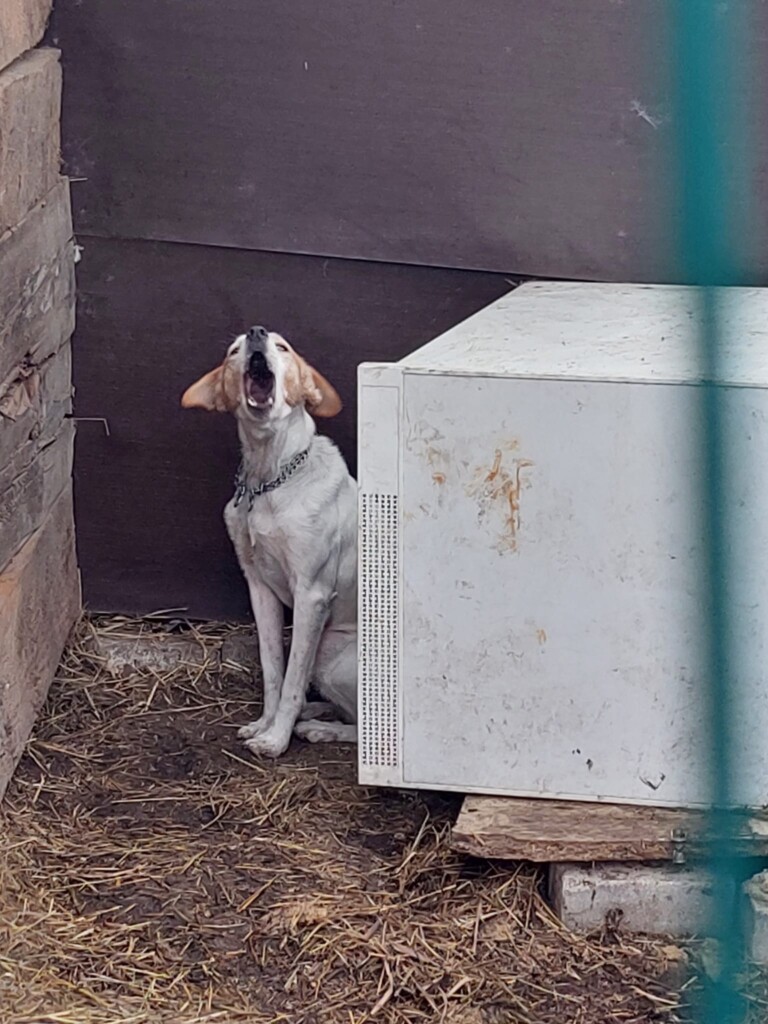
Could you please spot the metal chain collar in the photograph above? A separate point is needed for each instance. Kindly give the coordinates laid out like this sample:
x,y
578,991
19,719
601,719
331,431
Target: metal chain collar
x,y
242,488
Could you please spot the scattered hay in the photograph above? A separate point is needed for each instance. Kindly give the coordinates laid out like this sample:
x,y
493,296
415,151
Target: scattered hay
x,y
153,871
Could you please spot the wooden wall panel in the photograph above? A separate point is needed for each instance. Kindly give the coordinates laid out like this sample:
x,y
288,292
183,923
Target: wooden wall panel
x,y
39,601
30,105
22,23
39,581
527,136
311,166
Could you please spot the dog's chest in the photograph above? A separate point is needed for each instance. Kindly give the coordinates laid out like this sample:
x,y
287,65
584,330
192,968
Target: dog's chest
x,y
265,545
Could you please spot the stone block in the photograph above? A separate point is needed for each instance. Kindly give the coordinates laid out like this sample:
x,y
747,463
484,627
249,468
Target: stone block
x,y
151,652
654,899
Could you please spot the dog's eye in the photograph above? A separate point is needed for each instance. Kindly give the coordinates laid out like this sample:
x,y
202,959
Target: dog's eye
x,y
280,347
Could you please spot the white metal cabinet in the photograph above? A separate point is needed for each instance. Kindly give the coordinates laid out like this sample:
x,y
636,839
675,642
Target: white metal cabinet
x,y
530,550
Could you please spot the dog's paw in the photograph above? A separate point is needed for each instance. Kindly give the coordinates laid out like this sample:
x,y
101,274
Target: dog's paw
x,y
247,732
270,743
315,731
316,709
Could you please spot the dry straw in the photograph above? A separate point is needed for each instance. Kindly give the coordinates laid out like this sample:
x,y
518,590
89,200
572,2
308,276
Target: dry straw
x,y
153,871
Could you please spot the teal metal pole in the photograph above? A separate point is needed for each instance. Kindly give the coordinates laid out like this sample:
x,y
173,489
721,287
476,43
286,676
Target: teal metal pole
x,y
710,53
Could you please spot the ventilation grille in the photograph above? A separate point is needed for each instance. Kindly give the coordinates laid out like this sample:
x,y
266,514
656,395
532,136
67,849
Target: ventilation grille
x,y
378,631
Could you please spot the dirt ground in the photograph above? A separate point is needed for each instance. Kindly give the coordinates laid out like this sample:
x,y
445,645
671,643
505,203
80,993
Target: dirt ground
x,y
154,871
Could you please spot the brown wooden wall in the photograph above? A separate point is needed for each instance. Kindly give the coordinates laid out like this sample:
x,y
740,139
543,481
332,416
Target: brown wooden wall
x,y
39,583
358,175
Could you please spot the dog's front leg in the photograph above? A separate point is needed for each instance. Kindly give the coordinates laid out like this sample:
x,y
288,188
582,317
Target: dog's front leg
x,y
269,615
310,614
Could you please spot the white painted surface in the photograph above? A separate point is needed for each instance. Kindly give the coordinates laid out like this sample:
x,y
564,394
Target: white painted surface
x,y
654,899
608,332
547,631
755,918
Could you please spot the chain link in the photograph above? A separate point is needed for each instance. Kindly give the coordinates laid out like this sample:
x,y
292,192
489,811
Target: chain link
x,y
243,489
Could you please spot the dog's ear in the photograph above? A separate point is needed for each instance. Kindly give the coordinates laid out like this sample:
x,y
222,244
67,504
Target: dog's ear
x,y
320,397
207,393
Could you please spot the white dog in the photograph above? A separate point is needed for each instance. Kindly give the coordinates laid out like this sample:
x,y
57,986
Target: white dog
x,y
293,523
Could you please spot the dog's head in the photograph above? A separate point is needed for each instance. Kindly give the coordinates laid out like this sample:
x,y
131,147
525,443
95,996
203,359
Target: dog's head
x,y
262,379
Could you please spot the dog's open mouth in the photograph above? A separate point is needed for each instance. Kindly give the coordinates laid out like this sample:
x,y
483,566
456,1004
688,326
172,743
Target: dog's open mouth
x,y
259,383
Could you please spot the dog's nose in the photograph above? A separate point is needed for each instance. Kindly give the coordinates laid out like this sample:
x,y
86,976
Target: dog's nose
x,y
257,337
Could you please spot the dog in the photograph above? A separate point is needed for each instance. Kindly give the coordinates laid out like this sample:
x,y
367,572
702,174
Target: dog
x,y
293,523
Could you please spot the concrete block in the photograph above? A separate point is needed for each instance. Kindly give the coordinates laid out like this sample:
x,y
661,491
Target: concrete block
x,y
30,109
754,909
151,652
39,603
22,24
655,899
